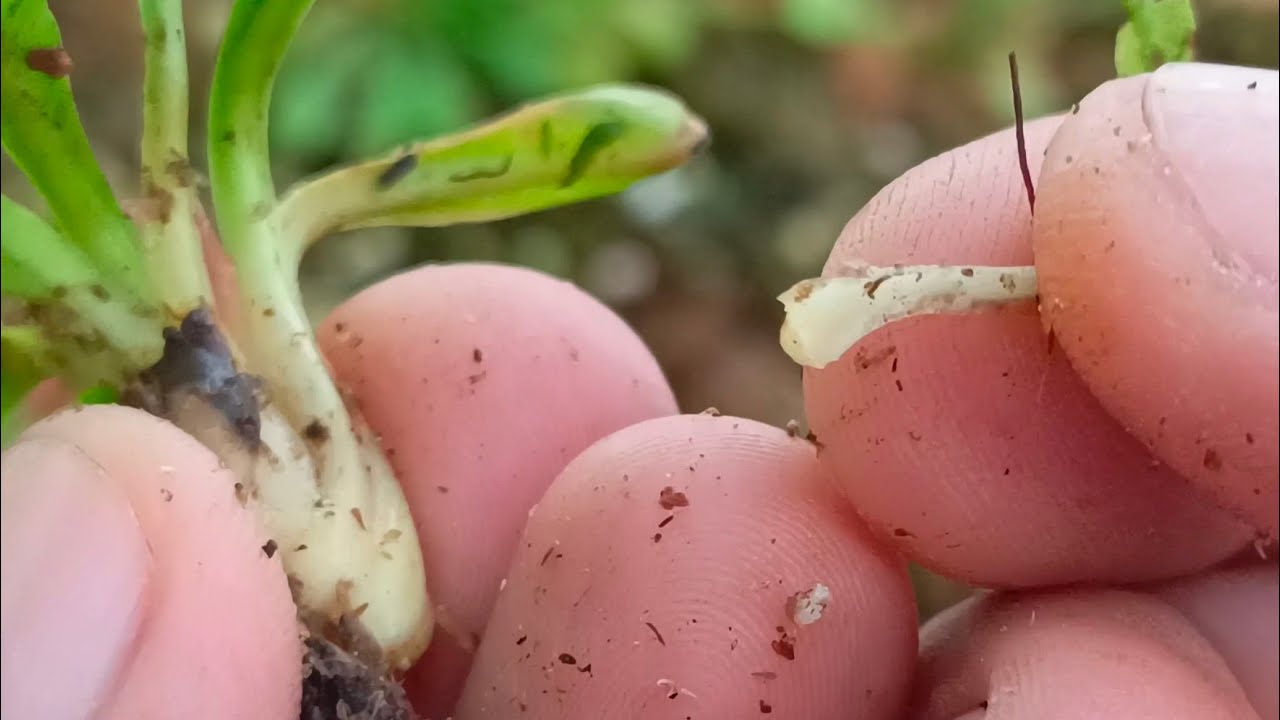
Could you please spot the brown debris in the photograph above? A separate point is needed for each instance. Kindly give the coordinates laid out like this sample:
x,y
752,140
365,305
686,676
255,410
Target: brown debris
x,y
785,645
269,549
670,498
54,62
355,513
568,659
657,635
337,685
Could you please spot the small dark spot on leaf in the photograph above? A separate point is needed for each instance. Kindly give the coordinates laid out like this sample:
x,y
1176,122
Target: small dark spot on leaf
x,y
597,138
269,549
54,62
397,171
99,292
268,312
300,548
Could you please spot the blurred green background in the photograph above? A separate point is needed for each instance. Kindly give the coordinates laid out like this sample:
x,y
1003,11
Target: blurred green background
x,y
813,106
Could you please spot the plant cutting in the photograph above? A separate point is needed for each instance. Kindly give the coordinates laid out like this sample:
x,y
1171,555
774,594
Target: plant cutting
x,y
127,308
825,317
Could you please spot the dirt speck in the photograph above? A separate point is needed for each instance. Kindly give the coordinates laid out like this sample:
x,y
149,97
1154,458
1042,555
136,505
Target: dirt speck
x,y
765,675
1252,86
54,62
806,607
521,640
242,495
338,685
442,489
803,291
903,533
316,431
1248,438
670,498
793,428
765,708
1212,460
473,379
269,549
656,635
359,516
657,537
666,521
713,412
477,355
785,645
166,494
567,659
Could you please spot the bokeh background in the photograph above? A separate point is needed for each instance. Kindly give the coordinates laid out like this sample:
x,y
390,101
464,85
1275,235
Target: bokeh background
x,y
813,105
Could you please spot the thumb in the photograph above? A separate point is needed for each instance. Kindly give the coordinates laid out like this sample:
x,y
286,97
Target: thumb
x,y
1155,241
134,584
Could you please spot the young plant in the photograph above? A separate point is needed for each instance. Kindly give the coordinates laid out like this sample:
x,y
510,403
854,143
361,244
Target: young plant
x,y
97,300
827,316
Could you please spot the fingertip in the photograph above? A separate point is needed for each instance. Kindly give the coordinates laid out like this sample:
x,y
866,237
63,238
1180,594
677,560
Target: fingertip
x,y
968,441
1155,247
219,637
483,381
661,571
1068,654
76,568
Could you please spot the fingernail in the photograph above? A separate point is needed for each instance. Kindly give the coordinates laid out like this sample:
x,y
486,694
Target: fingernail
x,y
74,563
1217,126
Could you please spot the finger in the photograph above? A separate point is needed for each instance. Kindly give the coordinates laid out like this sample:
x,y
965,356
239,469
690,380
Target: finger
x,y
132,571
969,443
627,600
1236,611
1156,246
483,381
1071,654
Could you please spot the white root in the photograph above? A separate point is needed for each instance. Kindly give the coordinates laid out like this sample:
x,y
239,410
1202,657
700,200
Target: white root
x,y
827,316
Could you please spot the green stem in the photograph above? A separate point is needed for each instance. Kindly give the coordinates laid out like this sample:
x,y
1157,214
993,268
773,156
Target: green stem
x,y
42,133
100,330
171,240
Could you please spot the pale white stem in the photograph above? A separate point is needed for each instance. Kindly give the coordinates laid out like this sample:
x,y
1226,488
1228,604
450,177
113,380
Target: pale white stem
x,y
827,316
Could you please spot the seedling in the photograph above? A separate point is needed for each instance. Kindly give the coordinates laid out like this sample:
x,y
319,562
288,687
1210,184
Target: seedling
x,y
102,303
827,316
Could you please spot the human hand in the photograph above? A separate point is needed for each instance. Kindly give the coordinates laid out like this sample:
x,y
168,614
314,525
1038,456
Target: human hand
x,y
134,582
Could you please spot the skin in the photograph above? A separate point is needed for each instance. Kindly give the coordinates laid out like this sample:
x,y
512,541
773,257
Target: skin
x,y
133,611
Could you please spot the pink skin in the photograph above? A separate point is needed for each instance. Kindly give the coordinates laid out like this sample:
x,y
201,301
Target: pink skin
x,y
599,560
964,440
487,367
169,608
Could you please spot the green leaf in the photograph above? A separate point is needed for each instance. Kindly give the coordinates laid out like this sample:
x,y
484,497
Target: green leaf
x,y
42,133
21,370
564,149
1158,32
36,262
836,22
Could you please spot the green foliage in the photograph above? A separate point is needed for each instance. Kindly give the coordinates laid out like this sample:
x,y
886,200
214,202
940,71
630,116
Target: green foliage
x,y
838,22
21,369
42,134
1158,32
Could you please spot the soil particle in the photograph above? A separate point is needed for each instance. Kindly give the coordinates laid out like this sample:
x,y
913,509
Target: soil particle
x,y
166,494
54,62
793,428
765,708
316,431
355,513
568,659
1212,460
656,635
670,498
197,362
337,685
666,521
785,644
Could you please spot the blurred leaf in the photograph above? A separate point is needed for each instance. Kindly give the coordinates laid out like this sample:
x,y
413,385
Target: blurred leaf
x,y
837,22
663,33
411,93
1158,32
311,106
